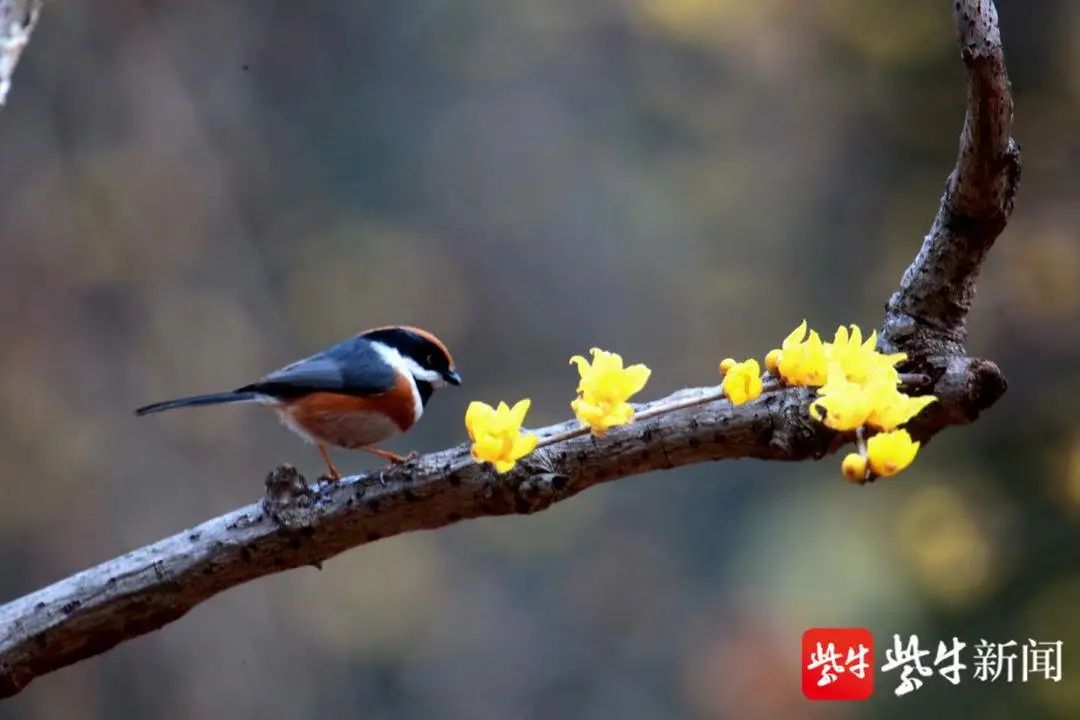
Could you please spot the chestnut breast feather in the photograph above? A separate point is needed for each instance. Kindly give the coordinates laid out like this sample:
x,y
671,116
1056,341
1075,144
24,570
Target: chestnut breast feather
x,y
352,421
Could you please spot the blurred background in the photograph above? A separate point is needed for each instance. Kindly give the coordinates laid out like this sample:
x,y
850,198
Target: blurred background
x,y
197,193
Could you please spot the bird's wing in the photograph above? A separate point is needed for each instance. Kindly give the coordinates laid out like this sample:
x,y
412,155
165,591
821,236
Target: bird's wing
x,y
353,367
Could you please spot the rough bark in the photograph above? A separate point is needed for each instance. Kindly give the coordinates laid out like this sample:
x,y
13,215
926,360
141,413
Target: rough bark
x,y
927,315
297,523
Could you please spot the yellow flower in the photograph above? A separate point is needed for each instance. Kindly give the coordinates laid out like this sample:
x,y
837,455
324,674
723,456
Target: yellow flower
x,y
859,387
803,362
860,360
841,404
496,433
604,389
890,452
742,381
892,408
854,467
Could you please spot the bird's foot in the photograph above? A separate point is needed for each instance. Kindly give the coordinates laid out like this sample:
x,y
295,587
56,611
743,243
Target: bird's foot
x,y
333,476
394,458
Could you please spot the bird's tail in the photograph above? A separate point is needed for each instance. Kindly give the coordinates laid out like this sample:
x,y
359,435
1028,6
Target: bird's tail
x,y
235,396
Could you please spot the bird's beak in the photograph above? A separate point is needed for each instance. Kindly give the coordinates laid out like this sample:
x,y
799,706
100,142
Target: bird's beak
x,y
453,378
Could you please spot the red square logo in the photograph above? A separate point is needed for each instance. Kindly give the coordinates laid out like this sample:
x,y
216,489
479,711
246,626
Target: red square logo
x,y
837,664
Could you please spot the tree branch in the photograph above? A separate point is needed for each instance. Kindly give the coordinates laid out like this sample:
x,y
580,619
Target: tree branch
x,y
299,524
17,20
927,315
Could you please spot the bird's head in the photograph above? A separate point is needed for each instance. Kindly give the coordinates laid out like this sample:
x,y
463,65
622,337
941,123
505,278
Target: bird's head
x,y
423,355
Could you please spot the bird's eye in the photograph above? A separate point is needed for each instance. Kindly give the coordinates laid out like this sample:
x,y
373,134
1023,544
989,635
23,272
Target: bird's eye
x,y
431,360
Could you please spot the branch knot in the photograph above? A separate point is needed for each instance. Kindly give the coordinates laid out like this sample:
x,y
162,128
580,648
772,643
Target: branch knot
x,y
289,500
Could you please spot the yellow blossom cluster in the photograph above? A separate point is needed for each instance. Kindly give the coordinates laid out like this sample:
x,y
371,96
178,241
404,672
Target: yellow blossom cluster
x,y
859,388
601,403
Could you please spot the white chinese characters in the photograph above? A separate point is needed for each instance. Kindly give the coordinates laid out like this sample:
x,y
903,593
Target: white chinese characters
x,y
993,662
833,663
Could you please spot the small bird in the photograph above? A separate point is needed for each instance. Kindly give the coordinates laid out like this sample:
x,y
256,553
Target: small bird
x,y
353,395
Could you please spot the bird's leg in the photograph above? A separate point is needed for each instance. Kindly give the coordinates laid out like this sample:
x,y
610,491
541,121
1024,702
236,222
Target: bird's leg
x,y
394,458
334,474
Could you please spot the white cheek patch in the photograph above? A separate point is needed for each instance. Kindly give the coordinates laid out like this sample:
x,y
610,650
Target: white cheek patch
x,y
407,367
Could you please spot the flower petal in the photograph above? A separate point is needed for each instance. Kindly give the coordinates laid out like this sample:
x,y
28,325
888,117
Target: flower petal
x,y
856,336
477,414
582,364
634,379
841,337
523,445
606,362
795,336
890,452
517,413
